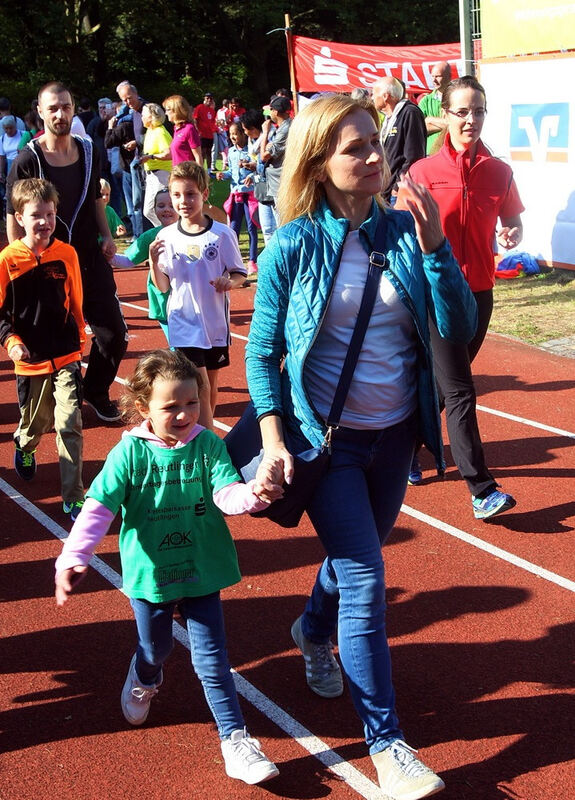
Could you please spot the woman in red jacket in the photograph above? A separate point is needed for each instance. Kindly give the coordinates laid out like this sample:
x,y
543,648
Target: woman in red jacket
x,y
473,190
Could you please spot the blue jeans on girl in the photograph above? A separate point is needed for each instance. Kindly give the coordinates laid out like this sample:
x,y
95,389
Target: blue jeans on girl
x,y
205,624
240,209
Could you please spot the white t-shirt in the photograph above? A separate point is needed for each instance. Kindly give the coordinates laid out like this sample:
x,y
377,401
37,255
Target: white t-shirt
x,y
9,146
383,387
198,316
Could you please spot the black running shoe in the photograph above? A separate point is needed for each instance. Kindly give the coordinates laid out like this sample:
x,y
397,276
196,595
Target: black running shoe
x,y
24,463
105,409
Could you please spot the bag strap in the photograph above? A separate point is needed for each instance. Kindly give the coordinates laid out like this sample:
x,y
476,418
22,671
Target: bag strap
x,y
377,263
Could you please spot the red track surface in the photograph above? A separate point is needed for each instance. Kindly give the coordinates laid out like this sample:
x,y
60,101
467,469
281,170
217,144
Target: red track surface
x,y
482,648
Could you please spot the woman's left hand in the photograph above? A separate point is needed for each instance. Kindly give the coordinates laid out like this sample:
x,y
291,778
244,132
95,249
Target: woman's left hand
x,y
425,212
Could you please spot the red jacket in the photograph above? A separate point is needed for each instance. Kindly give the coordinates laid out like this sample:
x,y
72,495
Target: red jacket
x,y
470,200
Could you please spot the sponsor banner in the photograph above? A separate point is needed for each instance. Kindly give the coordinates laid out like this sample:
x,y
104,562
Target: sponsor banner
x,y
511,27
532,127
322,66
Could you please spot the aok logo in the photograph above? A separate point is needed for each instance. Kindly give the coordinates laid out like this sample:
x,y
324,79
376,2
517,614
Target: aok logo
x,y
176,539
539,132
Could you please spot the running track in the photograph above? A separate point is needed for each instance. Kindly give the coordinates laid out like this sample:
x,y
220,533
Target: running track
x,y
480,621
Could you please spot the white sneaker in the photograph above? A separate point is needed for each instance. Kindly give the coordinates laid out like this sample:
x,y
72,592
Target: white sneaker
x,y
322,671
402,776
136,696
244,759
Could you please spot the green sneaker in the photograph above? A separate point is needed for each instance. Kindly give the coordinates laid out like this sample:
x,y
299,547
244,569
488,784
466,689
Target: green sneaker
x,y
24,463
73,508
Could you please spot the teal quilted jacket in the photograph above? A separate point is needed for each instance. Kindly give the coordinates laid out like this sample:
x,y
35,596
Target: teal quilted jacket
x,y
295,280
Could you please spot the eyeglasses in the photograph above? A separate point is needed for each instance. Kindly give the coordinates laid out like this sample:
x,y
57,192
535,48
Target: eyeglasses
x,y
464,113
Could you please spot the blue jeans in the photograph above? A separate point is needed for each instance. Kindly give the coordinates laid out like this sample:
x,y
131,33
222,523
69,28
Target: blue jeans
x,y
239,211
353,511
137,199
127,189
268,220
117,193
205,624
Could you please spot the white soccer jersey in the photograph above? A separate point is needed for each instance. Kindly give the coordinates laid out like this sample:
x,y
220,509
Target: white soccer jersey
x,y
198,316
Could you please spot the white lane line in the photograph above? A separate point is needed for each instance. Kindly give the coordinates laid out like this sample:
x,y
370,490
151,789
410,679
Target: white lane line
x,y
56,530
505,555
524,421
304,737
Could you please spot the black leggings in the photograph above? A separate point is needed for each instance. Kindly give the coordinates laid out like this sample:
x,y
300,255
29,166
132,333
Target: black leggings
x,y
452,365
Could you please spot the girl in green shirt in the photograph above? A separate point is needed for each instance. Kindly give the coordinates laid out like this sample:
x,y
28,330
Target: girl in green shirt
x,y
172,479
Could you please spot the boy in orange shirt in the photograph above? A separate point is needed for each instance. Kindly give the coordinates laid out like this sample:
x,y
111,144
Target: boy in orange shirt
x,y
42,329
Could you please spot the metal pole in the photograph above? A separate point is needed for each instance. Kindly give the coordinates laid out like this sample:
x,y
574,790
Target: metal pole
x,y
289,41
465,36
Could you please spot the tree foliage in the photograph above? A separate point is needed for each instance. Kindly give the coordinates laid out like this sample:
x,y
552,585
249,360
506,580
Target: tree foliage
x,y
190,46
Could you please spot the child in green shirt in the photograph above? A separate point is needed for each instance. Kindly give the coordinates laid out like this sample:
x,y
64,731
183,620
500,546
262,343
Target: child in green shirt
x,y
172,479
115,224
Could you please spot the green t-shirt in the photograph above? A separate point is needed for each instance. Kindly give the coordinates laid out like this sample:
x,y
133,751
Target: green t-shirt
x,y
139,251
174,541
431,107
112,219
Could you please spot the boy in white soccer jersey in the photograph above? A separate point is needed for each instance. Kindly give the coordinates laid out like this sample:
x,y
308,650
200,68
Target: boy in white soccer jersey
x,y
197,260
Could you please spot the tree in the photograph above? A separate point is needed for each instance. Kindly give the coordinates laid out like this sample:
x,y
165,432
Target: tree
x,y
187,46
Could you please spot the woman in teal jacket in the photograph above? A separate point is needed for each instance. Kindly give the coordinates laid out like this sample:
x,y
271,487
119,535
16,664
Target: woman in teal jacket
x,y
310,285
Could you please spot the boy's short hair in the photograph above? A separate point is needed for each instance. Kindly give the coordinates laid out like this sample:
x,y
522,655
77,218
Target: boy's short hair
x,y
190,170
29,190
105,185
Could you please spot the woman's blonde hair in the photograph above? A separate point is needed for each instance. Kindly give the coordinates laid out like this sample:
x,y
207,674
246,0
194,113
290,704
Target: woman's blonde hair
x,y
308,147
180,106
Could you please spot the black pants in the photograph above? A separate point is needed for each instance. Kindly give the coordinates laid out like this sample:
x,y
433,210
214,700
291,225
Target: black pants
x,y
103,313
452,365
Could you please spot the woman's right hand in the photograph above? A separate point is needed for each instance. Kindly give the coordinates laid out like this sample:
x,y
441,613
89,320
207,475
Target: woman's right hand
x,y
275,469
268,484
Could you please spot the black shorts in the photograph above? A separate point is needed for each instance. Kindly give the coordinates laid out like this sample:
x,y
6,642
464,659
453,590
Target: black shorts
x,y
215,358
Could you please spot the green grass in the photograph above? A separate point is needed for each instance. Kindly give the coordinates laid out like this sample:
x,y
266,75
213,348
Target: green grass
x,y
536,308
219,191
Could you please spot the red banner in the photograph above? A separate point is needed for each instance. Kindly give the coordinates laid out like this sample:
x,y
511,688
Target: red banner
x,y
331,66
